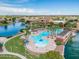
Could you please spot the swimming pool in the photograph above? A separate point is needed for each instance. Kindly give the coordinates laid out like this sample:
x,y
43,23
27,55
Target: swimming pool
x,y
58,31
11,30
39,40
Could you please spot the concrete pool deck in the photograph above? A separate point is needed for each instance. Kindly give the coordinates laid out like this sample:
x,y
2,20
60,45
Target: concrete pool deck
x,y
40,47
41,50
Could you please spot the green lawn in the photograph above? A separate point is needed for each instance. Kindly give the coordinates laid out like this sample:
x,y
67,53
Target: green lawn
x,y
5,56
1,24
16,45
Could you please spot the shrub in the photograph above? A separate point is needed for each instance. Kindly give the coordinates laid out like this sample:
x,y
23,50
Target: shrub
x,y
58,42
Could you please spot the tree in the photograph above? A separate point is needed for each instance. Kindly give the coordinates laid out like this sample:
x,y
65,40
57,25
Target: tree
x,y
27,22
70,25
13,19
5,21
27,32
1,44
51,27
22,20
61,25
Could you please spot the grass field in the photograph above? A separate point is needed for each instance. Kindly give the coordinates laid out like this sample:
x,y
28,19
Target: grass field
x,y
5,56
1,24
16,45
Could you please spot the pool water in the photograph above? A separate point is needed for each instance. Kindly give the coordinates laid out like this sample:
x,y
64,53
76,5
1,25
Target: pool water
x,y
11,30
58,31
39,40
72,48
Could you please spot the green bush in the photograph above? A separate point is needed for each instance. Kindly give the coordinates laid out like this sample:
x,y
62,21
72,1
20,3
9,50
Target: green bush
x,y
58,42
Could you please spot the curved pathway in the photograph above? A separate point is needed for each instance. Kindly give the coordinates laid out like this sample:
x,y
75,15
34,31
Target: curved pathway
x,y
11,53
15,54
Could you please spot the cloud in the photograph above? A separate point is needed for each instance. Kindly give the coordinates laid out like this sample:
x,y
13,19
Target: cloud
x,y
16,11
7,10
21,11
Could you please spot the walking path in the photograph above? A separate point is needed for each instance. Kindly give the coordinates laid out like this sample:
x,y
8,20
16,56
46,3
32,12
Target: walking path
x,y
15,54
11,53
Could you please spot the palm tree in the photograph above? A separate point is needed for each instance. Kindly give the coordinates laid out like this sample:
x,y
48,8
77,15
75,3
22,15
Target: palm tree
x,y
1,45
27,32
27,22
51,27
13,19
5,21
70,25
61,25
28,27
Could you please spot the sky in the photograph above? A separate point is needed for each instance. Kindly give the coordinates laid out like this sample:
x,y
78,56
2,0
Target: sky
x,y
39,7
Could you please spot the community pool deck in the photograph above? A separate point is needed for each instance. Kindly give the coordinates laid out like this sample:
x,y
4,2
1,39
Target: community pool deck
x,y
41,50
